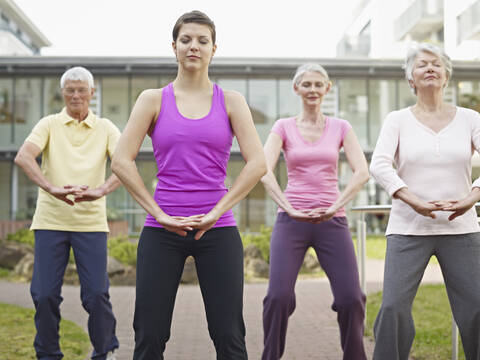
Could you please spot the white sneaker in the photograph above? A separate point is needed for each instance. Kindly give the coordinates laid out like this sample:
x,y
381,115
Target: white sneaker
x,y
111,356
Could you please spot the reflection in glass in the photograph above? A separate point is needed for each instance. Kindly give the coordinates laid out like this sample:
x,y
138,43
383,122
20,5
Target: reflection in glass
x,y
5,189
6,111
469,94
140,83
53,99
289,102
27,107
27,197
239,85
262,98
381,101
354,106
406,97
115,101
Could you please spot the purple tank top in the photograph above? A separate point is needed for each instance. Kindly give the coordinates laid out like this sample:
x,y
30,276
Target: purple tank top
x,y
192,157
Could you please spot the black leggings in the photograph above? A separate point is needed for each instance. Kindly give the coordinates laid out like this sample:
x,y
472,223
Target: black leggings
x,y
219,261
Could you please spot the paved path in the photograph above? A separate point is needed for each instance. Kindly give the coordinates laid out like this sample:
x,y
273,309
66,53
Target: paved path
x,y
312,332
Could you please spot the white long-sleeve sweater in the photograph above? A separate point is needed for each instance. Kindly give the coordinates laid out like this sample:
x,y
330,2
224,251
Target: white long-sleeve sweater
x,y
434,166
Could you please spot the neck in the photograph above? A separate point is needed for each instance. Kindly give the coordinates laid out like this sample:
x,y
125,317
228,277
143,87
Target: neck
x,y
430,101
312,114
79,115
197,80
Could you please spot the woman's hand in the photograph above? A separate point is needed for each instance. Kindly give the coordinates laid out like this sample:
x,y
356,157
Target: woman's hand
x,y
427,208
459,207
178,224
205,223
322,214
300,215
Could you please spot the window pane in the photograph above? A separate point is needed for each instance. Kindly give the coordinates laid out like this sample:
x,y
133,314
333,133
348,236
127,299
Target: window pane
x,y
469,94
262,99
115,101
239,85
354,106
28,109
5,189
382,100
289,102
140,83
406,97
53,99
6,109
27,197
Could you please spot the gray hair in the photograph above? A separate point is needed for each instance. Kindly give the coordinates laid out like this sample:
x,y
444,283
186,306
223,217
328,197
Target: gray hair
x,y
313,67
77,73
417,48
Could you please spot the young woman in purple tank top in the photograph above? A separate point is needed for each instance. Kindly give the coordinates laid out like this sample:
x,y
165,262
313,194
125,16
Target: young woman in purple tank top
x,y
191,122
311,214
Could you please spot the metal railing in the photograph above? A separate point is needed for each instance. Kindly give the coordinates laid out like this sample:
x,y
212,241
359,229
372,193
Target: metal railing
x,y
361,256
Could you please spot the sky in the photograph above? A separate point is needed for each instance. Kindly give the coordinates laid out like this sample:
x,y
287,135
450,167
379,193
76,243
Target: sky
x,y
245,28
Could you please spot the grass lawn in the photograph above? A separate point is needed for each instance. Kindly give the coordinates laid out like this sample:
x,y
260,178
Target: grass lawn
x,y
433,323
17,332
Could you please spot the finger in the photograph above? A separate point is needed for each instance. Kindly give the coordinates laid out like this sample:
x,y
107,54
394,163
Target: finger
x,y
432,215
455,215
199,234
177,231
68,201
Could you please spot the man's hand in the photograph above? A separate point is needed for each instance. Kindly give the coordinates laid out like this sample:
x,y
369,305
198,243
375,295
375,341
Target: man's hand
x,y
62,192
89,195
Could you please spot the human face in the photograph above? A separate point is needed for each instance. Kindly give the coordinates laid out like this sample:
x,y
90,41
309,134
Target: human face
x,y
77,95
428,72
194,48
312,88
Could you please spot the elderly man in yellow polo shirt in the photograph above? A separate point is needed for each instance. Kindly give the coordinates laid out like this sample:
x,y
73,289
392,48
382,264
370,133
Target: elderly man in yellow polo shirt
x,y
71,213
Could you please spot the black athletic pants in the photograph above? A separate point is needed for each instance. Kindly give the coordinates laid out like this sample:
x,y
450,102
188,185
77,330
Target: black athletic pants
x,y
219,261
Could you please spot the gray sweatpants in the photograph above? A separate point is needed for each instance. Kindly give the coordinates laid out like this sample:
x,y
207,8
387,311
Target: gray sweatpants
x,y
406,259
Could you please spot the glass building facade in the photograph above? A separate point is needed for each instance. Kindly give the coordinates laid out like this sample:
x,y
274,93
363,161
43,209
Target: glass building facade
x,y
363,92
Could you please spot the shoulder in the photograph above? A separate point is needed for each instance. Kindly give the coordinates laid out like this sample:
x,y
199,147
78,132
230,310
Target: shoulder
x,y
468,113
337,122
151,96
284,122
232,97
49,120
395,118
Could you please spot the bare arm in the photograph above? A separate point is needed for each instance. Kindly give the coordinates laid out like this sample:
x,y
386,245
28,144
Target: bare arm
x,y
123,160
272,150
251,149
25,159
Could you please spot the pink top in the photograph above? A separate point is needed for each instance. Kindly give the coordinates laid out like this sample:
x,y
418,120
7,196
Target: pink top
x,y
312,167
192,157
434,166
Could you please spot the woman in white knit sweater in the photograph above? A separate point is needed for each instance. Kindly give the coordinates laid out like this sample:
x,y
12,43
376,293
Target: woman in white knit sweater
x,y
423,160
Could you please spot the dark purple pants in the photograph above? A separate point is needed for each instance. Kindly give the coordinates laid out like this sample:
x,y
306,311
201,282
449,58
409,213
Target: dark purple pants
x,y
333,245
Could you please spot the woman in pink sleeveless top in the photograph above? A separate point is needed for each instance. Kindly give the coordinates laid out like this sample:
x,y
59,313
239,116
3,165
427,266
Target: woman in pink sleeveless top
x,y
311,214
192,123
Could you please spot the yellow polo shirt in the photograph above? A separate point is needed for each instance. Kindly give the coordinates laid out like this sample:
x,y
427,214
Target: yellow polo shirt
x,y
73,153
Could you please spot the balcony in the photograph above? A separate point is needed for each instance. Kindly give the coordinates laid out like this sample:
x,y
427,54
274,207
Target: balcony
x,y
422,18
468,23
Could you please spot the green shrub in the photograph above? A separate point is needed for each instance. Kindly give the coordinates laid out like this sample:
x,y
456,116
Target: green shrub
x,y
261,240
23,236
120,248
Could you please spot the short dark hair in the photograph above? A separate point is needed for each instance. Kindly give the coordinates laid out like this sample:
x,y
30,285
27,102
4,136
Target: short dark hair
x,y
194,16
